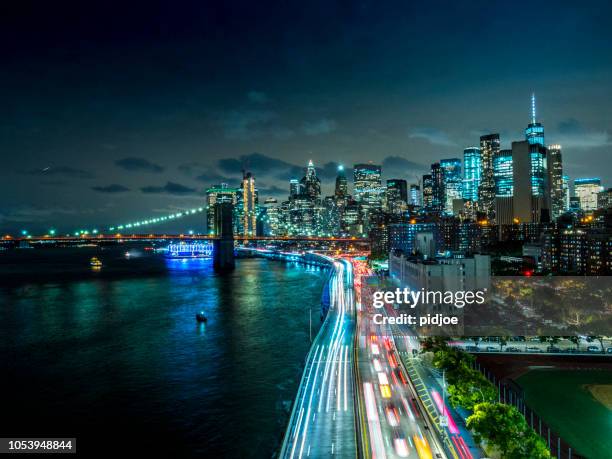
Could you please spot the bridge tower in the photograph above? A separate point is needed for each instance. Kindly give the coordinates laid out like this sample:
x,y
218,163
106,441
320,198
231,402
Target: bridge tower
x,y
224,244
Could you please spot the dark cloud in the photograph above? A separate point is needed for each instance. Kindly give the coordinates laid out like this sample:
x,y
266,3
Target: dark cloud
x,y
272,191
319,127
571,134
432,135
138,164
261,165
402,167
570,126
247,124
113,188
61,171
212,178
191,168
169,188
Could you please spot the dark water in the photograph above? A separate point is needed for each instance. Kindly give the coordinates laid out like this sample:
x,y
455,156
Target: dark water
x,y
121,364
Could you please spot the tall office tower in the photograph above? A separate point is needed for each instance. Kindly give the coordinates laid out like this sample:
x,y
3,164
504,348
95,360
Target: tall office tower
x,y
472,171
504,187
502,173
271,220
427,192
555,180
294,188
586,189
489,146
397,195
367,186
311,185
341,191
530,187
534,134
540,185
566,193
437,188
453,182
247,209
218,194
604,199
415,195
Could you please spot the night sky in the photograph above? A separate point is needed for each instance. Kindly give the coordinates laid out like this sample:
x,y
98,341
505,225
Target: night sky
x,y
115,111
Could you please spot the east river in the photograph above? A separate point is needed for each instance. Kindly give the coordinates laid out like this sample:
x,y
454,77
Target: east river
x,y
120,363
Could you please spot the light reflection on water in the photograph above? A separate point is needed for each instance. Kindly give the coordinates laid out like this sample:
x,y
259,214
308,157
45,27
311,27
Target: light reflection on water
x,y
126,356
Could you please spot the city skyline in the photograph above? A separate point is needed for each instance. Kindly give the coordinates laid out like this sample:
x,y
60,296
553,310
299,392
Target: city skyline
x,y
88,152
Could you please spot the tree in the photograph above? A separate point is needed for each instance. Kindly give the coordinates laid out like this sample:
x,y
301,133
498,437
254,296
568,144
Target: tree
x,y
470,389
498,424
531,446
504,427
433,344
454,361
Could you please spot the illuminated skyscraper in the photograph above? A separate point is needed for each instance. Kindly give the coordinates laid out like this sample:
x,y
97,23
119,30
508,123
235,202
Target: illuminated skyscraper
x,y
397,195
555,177
530,182
502,173
452,182
311,185
415,195
489,146
586,189
294,188
535,131
367,186
247,210
471,173
437,188
566,193
534,134
427,192
341,191
218,194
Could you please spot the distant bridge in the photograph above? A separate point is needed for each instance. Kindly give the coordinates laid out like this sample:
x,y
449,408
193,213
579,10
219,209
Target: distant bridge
x,y
152,237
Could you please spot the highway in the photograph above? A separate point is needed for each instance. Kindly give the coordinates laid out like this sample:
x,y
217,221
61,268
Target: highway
x,y
322,422
394,424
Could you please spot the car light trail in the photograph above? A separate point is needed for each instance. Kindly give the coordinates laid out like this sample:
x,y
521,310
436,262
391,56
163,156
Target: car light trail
x,y
452,427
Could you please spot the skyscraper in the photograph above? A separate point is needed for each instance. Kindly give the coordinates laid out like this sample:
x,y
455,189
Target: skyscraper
x,y
502,173
566,193
427,192
415,195
341,191
397,195
530,180
218,194
555,177
367,186
586,189
294,188
437,188
472,170
534,133
489,146
453,183
311,185
248,206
